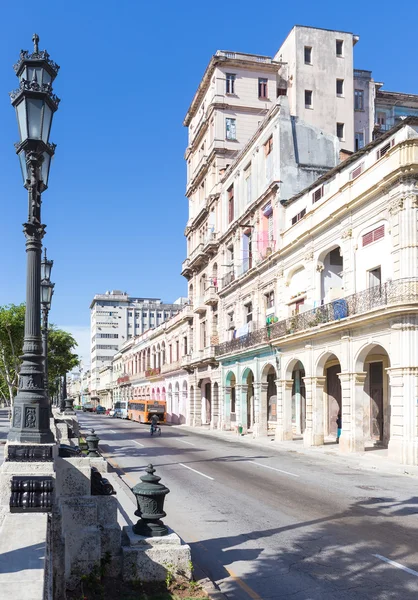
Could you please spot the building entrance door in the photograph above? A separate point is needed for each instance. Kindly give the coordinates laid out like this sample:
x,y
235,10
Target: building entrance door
x,y
376,400
334,397
208,400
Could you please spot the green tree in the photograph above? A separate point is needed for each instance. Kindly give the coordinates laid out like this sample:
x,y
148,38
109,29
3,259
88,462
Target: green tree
x,y
12,326
61,358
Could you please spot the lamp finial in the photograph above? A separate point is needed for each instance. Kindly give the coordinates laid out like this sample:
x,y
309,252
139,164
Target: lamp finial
x,y
35,40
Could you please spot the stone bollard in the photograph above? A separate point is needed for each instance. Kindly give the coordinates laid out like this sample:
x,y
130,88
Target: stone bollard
x,y
150,496
69,406
92,444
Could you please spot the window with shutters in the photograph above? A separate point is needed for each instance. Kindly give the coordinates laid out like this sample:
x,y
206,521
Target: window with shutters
x,y
385,149
270,228
231,129
373,236
230,193
270,299
374,277
299,216
230,83
317,194
358,140
247,177
340,87
357,171
262,87
249,312
268,152
358,100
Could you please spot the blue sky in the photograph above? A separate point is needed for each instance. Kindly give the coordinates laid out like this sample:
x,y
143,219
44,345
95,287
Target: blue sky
x,y
115,208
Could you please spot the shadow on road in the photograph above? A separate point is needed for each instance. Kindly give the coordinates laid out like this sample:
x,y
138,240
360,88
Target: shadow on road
x,y
329,558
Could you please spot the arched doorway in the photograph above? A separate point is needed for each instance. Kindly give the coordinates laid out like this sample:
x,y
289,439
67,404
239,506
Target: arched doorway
x,y
332,275
183,404
229,415
206,407
215,416
374,360
247,408
333,397
298,398
190,414
170,403
176,402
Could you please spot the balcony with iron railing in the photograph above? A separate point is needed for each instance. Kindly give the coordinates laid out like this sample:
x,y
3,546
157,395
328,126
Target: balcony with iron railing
x,y
390,294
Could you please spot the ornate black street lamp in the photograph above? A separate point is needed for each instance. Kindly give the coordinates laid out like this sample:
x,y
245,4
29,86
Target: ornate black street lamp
x,y
35,105
47,291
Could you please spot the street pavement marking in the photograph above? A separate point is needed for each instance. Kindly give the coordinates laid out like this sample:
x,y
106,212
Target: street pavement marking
x,y
198,472
184,442
112,431
396,564
135,442
252,594
274,469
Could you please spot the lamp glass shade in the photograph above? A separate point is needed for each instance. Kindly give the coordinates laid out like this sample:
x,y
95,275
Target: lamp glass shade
x,y
46,122
45,168
34,108
38,74
46,267
47,290
23,165
22,120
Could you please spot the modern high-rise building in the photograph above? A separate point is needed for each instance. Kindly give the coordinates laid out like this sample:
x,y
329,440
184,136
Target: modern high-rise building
x,y
116,317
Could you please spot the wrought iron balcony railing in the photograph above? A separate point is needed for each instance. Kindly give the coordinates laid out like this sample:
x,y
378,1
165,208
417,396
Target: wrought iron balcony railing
x,y
401,291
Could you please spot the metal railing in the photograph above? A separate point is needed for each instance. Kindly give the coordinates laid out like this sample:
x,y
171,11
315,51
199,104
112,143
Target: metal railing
x,y
401,291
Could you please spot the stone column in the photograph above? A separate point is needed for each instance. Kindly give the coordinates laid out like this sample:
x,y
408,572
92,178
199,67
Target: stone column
x,y
314,433
284,410
353,398
242,394
403,442
260,403
190,405
226,409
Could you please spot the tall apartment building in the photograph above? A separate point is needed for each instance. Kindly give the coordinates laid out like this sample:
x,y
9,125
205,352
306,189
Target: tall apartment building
x,y
116,317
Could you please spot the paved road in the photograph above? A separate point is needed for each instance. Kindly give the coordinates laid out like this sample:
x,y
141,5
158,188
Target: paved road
x,y
271,524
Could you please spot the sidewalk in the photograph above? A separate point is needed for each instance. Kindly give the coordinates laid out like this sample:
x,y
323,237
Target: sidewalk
x,y
373,459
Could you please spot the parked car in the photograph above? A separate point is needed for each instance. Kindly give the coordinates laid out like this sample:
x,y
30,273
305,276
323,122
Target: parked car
x,y
88,407
100,410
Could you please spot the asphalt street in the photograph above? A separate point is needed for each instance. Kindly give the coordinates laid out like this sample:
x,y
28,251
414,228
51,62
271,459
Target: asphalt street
x,y
271,524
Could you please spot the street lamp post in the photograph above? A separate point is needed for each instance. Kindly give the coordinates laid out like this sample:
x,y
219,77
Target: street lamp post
x,y
35,105
47,291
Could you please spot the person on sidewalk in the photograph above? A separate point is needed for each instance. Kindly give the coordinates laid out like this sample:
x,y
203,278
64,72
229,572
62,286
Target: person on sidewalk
x,y
339,423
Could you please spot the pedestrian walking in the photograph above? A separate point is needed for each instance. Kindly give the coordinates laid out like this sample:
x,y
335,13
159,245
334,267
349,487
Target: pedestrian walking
x,y
339,424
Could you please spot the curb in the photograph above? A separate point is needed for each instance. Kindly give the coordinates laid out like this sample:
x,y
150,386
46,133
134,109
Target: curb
x,y
208,585
199,574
